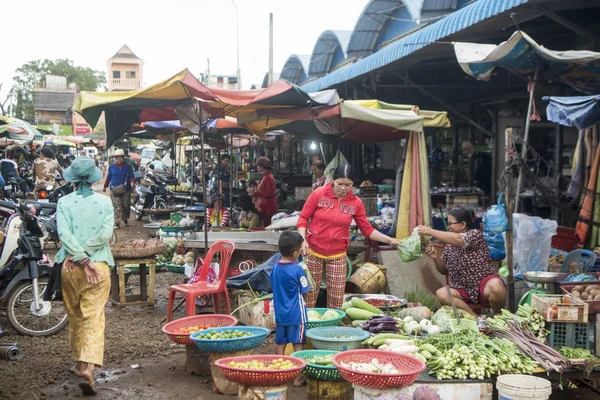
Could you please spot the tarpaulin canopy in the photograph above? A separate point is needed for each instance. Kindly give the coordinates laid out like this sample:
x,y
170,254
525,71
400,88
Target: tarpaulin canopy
x,y
580,112
579,69
25,135
431,119
174,99
349,121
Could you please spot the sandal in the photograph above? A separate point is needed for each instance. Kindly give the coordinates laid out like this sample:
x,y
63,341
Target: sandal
x,y
88,388
74,371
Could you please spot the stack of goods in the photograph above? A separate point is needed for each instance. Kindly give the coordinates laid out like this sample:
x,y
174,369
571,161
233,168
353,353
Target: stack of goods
x,y
168,254
138,248
529,318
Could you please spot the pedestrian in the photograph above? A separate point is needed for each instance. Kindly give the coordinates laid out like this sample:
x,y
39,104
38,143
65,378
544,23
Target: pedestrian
x,y
85,225
44,170
121,180
290,285
218,216
249,217
134,166
265,194
318,170
324,223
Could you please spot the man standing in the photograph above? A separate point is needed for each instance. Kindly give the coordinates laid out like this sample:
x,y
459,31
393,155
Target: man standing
x,y
44,169
482,167
130,162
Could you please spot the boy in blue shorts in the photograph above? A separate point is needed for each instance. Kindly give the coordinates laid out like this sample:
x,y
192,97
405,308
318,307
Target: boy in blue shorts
x,y
289,285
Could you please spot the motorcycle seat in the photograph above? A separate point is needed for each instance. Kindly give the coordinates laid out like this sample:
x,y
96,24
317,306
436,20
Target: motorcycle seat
x,y
48,206
8,204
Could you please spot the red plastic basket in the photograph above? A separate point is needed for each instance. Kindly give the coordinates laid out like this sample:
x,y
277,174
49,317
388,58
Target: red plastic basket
x,y
409,367
260,377
214,320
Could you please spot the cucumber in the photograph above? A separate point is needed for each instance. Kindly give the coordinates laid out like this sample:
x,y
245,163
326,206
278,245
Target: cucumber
x,y
347,321
359,303
358,313
384,336
356,322
346,305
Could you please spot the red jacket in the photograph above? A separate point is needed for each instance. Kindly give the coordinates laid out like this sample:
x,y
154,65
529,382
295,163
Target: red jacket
x,y
266,195
330,221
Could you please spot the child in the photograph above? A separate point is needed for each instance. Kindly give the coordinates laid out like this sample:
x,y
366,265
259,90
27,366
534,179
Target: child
x,y
289,284
218,215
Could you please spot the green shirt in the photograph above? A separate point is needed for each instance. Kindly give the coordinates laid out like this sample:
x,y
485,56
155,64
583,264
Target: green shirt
x,y
85,227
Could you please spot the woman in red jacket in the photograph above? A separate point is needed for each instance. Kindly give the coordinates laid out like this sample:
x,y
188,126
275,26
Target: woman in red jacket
x,y
330,210
265,194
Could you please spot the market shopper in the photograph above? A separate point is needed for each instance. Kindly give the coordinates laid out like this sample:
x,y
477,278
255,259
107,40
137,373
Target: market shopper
x,y
290,285
318,170
85,225
129,161
324,223
467,262
223,176
44,169
218,216
265,193
249,217
121,180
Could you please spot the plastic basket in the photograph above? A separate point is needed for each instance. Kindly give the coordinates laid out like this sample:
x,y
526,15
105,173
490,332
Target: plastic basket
x,y
230,345
214,320
260,377
553,310
568,334
175,228
410,367
593,305
316,371
329,322
324,338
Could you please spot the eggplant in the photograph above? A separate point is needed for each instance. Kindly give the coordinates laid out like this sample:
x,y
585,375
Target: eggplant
x,y
381,318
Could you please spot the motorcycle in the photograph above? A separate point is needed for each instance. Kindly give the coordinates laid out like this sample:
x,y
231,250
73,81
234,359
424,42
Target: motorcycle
x,y
24,275
151,195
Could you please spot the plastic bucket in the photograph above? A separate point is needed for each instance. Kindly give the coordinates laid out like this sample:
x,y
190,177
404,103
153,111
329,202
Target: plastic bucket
x,y
263,393
521,387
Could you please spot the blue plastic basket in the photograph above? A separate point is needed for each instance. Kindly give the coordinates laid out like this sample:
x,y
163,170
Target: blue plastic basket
x,y
230,345
324,338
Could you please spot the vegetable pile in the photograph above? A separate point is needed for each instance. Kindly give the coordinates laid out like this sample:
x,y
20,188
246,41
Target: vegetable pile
x,y
172,245
374,367
445,319
192,329
224,335
138,244
325,361
314,315
546,356
278,364
468,355
529,318
589,293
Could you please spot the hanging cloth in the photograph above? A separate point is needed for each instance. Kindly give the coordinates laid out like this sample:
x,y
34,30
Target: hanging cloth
x,y
577,168
425,182
403,225
416,205
583,228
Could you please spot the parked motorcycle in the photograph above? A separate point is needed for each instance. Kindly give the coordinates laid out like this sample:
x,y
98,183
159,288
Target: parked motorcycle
x,y
151,194
24,278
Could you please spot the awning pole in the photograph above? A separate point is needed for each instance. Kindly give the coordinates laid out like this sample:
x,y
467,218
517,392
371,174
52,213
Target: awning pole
x,y
203,180
526,138
231,174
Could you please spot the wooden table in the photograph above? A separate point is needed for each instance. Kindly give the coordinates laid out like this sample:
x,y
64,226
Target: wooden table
x,y
147,283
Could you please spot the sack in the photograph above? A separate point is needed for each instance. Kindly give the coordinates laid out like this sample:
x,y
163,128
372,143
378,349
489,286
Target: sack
x,y
118,190
410,248
495,220
53,290
495,242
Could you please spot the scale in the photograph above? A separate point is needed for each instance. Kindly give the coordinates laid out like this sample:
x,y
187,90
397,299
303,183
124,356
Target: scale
x,y
544,284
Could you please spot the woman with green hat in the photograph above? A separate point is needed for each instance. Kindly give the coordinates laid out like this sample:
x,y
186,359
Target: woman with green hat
x,y
85,226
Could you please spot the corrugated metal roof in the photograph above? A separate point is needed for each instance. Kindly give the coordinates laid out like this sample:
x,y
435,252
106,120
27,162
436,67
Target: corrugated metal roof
x,y
329,44
53,101
369,24
453,23
439,5
295,69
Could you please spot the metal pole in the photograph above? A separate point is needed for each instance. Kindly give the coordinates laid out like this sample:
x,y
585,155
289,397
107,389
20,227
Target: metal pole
x,y
526,138
508,178
231,169
270,48
237,34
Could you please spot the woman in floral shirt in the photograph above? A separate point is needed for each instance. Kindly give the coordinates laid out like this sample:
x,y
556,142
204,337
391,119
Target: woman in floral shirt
x,y
468,264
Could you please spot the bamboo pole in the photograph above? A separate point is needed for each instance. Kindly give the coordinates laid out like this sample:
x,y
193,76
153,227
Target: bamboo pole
x,y
508,181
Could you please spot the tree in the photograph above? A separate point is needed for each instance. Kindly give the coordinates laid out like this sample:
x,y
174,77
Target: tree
x,y
33,73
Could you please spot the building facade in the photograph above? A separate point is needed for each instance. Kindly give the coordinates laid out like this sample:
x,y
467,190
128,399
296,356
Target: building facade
x,y
221,81
53,100
125,71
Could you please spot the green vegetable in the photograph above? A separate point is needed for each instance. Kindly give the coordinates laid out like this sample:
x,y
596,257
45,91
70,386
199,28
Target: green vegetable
x,y
346,305
372,340
359,303
420,294
410,248
357,313
356,322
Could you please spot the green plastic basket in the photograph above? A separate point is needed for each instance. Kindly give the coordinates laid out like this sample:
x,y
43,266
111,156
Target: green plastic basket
x,y
315,371
178,269
324,338
328,322
175,228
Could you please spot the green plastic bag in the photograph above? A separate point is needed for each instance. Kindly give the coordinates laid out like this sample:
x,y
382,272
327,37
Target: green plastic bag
x,y
410,248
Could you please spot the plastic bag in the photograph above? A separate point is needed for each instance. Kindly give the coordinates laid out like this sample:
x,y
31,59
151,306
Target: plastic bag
x,y
495,242
532,243
410,248
495,220
311,281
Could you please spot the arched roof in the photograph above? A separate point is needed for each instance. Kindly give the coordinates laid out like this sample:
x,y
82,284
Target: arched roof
x,y
369,25
295,69
329,51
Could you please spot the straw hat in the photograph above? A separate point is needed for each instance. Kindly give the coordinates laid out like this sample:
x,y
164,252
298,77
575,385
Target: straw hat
x,y
263,162
118,152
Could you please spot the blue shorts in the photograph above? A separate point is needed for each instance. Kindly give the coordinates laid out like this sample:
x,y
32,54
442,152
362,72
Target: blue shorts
x,y
294,334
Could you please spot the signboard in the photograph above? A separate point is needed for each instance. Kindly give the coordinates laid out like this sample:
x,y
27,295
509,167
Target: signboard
x,y
80,126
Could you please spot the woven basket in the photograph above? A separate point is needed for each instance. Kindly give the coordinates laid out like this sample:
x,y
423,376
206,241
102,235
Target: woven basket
x,y
138,253
315,371
260,377
215,320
